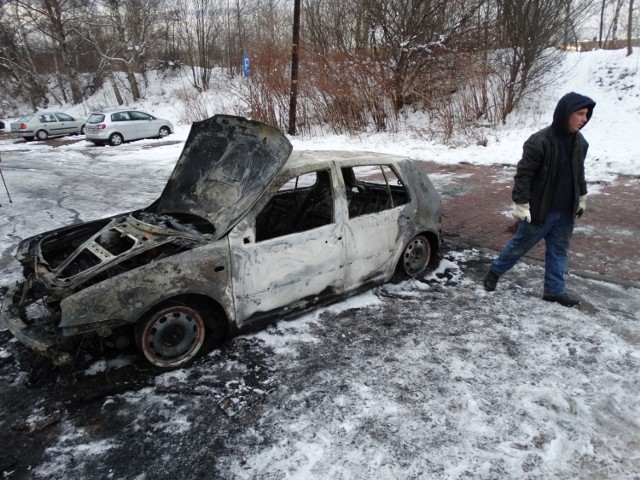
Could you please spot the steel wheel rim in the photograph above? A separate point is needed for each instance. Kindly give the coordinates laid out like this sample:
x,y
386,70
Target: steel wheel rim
x,y
173,336
416,256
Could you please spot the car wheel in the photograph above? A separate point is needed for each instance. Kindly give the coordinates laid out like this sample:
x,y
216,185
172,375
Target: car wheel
x,y
171,336
164,131
82,129
41,135
416,256
115,139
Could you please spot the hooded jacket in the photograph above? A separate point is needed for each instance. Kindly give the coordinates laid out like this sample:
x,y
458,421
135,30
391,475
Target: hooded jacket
x,y
536,172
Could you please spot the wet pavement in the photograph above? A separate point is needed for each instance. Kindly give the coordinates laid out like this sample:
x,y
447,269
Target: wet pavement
x,y
606,242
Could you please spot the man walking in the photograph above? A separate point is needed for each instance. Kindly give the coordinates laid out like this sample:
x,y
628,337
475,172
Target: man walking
x,y
549,193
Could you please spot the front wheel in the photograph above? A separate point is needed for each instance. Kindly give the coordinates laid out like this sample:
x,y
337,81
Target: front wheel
x,y
171,336
41,135
164,131
416,256
115,139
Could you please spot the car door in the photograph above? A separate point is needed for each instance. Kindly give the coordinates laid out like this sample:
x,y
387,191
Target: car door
x,y
376,200
50,124
290,254
67,124
142,124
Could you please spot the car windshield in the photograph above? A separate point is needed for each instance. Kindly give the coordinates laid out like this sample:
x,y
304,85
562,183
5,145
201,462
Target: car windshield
x,y
26,118
96,118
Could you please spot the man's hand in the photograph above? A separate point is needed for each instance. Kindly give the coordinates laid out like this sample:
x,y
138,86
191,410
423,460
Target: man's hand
x,y
521,212
582,206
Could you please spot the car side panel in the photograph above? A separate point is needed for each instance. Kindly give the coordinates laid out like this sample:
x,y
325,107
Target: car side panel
x,y
127,297
278,272
371,241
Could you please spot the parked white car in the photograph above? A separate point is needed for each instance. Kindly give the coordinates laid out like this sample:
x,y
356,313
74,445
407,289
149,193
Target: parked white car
x,y
115,126
45,125
243,233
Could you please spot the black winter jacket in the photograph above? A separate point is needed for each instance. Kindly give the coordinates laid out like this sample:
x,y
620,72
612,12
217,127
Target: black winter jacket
x,y
536,171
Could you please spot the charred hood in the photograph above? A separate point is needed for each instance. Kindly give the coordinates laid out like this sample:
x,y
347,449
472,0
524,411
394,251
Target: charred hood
x,y
226,164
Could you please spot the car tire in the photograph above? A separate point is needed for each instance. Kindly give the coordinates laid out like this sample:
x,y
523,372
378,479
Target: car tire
x,y
42,135
115,139
82,129
163,132
171,336
416,257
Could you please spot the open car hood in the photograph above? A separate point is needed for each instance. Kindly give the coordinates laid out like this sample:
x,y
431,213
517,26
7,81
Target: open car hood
x,y
225,166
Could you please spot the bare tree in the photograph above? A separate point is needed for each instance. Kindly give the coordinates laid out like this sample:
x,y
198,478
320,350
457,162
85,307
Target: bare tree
x,y
121,31
527,31
22,80
58,20
201,27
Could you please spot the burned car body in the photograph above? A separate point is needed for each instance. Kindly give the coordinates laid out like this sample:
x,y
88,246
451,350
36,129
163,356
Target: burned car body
x,y
243,232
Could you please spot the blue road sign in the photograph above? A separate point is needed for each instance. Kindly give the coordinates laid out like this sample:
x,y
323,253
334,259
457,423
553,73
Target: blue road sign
x,y
246,66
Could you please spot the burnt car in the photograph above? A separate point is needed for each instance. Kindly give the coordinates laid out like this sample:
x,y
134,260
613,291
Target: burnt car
x,y
244,233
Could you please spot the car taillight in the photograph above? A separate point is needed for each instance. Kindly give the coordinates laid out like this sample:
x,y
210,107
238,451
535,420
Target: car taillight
x,y
101,126
23,126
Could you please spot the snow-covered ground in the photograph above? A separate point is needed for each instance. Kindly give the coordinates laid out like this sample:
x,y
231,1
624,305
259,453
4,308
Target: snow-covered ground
x,y
424,379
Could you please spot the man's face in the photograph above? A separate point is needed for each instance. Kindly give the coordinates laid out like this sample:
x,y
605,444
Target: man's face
x,y
577,120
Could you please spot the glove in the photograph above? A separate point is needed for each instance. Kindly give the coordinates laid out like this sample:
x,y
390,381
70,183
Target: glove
x,y
582,206
521,212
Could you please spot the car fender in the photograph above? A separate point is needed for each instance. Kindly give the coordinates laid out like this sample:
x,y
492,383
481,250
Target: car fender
x,y
125,298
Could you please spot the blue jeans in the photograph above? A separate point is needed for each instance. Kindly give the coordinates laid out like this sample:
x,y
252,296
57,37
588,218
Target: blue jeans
x,y
557,232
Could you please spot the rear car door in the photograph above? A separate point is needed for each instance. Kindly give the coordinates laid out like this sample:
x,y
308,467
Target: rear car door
x,y
67,124
288,253
376,199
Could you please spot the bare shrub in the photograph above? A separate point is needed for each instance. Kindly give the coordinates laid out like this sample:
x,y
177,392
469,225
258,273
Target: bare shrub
x,y
268,87
349,94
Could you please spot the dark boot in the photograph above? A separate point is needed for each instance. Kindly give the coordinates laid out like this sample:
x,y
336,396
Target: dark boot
x,y
490,281
563,299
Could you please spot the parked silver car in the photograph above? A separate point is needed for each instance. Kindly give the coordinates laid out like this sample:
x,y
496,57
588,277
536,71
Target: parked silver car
x,y
244,233
47,124
114,126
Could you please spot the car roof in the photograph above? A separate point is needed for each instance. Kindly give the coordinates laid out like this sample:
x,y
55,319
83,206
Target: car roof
x,y
115,109
304,159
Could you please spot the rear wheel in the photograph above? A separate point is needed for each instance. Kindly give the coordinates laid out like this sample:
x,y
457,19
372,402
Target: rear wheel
x,y
115,139
416,256
172,336
42,135
164,131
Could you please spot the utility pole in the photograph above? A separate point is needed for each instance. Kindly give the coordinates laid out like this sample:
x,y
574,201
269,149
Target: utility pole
x,y
293,101
629,29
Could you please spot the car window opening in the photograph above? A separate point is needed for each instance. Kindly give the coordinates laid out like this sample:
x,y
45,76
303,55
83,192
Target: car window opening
x,y
372,189
302,203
